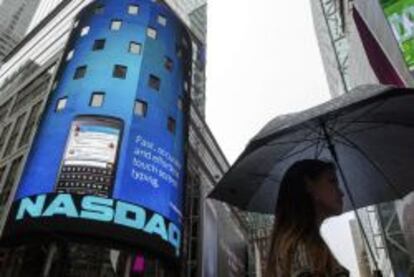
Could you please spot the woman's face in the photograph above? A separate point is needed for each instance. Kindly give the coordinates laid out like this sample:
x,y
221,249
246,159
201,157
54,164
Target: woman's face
x,y
326,193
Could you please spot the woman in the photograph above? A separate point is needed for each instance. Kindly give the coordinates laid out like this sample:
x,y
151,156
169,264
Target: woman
x,y
308,194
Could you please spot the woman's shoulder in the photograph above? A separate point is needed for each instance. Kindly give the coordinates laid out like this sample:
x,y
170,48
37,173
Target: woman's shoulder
x,y
302,265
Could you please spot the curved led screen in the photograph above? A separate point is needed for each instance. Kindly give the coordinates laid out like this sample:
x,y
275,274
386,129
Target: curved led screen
x,y
108,159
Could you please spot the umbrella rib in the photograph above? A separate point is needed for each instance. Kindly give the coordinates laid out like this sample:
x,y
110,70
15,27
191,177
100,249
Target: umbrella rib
x,y
320,145
365,113
360,130
355,146
289,154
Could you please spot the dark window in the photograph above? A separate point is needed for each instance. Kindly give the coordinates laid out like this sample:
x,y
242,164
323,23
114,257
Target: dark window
x,y
141,108
99,9
135,47
61,104
154,82
171,125
168,63
97,99
120,71
99,44
80,72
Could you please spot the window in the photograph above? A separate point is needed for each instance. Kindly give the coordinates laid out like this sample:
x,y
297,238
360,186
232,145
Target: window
x,y
31,123
162,20
135,47
133,9
10,180
14,134
61,104
69,56
97,99
120,71
152,33
168,64
171,125
116,25
99,9
80,72
4,135
154,82
84,31
141,108
99,44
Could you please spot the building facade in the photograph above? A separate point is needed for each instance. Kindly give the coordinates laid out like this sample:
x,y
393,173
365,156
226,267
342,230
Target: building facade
x,y
37,82
361,43
15,18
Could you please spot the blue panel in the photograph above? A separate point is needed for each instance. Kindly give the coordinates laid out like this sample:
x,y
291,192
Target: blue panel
x,y
109,151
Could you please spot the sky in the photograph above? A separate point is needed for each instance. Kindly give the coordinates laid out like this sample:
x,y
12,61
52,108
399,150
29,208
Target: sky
x,y
262,61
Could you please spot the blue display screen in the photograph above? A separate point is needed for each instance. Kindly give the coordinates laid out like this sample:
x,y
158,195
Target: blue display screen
x,y
112,158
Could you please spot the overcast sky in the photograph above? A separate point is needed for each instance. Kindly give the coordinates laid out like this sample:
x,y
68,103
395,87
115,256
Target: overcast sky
x,y
263,61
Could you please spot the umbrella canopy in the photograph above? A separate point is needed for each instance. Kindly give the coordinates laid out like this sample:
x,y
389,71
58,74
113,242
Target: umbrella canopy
x,y
372,132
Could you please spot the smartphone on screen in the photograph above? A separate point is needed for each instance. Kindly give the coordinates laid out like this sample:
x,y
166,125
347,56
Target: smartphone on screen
x,y
89,162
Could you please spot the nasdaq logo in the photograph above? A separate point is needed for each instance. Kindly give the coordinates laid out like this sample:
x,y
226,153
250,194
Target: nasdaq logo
x,y
100,209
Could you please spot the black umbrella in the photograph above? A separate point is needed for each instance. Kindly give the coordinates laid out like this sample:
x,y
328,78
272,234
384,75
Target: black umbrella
x,y
369,133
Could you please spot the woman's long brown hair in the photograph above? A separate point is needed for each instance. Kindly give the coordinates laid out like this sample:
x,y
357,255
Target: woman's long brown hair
x,y
295,221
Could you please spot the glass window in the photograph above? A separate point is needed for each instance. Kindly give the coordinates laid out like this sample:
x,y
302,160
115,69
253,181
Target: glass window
x,y
133,9
141,108
135,47
4,135
119,71
69,56
61,104
99,9
171,125
97,99
168,63
31,123
154,82
99,44
14,135
162,20
85,31
80,72
116,25
152,33
10,180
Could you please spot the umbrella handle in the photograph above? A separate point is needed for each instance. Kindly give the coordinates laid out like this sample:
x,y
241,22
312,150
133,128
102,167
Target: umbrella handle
x,y
377,272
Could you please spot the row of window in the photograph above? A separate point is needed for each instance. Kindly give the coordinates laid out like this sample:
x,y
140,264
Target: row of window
x,y
140,107
132,9
120,72
133,48
116,25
